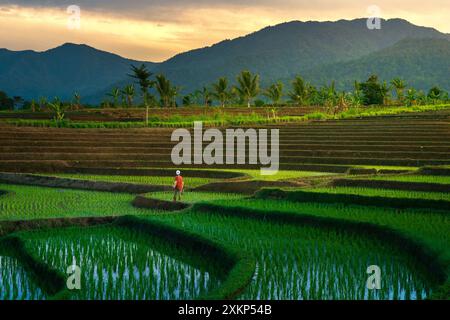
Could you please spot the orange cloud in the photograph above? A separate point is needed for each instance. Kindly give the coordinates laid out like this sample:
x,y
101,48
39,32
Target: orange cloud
x,y
156,39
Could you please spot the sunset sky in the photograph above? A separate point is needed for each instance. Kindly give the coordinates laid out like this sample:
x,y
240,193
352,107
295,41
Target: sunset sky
x,y
155,30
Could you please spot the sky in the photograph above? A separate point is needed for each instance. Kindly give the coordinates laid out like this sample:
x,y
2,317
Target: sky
x,y
155,30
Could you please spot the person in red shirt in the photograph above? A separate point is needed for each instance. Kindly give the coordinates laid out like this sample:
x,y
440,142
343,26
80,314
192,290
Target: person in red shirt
x,y
178,187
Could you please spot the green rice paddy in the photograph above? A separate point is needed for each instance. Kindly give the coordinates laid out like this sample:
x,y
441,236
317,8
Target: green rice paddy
x,y
415,178
193,197
152,180
300,262
15,283
384,193
117,264
28,202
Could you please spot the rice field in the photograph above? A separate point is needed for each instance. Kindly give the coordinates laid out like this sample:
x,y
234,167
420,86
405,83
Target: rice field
x,y
29,202
384,193
304,263
117,264
15,282
193,197
415,178
427,226
152,180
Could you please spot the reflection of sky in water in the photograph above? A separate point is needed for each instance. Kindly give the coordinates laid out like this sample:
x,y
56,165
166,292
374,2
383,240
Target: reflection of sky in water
x,y
15,284
114,269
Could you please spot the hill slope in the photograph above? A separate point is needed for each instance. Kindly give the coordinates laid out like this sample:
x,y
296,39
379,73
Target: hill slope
x,y
61,71
422,62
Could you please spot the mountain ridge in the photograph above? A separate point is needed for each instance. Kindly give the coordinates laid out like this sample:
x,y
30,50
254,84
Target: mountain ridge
x,y
275,52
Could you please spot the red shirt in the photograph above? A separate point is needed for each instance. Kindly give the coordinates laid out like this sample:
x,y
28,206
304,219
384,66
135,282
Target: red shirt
x,y
179,180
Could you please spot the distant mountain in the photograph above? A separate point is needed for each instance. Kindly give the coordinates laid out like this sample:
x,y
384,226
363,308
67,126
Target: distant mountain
x,y
423,63
61,71
289,48
320,51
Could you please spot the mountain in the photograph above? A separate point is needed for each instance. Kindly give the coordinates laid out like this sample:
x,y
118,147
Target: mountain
x,y
422,62
320,51
284,50
61,71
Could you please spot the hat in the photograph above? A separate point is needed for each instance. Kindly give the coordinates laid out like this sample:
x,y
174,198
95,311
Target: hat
x,y
178,172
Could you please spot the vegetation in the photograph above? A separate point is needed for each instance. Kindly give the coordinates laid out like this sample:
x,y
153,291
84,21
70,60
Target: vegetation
x,y
26,203
118,265
190,182
304,262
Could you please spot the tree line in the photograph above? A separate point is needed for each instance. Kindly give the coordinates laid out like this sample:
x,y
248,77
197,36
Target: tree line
x,y
158,91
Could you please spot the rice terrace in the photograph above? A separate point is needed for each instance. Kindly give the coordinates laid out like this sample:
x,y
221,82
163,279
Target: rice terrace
x,y
186,180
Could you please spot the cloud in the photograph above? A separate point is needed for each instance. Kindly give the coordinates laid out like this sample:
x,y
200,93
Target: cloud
x,y
158,29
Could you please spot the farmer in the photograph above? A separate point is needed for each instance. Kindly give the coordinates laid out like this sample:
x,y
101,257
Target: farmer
x,y
178,186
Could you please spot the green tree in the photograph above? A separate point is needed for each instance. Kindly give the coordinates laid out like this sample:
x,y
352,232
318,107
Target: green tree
x,y
221,92
142,75
399,86
115,95
128,93
205,95
248,86
435,94
411,97
372,91
274,93
299,91
6,103
167,92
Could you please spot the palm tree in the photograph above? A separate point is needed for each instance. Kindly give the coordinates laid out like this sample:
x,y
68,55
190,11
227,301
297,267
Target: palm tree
x,y
76,101
274,93
220,91
143,77
128,93
385,89
248,87
299,92
206,96
399,86
115,95
411,97
165,90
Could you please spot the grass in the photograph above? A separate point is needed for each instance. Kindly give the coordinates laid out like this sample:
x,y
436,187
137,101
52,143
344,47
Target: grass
x,y
421,225
116,264
416,178
193,197
27,202
15,283
152,180
303,262
281,175
221,118
384,193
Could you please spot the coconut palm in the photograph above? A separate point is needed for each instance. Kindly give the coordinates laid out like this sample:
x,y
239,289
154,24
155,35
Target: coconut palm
x,y
128,93
220,91
274,93
205,95
248,86
299,92
384,91
399,86
166,91
115,95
